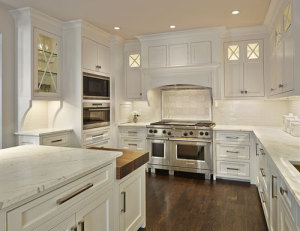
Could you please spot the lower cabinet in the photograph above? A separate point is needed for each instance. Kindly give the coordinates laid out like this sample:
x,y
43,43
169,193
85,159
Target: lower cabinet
x,y
132,138
132,197
285,221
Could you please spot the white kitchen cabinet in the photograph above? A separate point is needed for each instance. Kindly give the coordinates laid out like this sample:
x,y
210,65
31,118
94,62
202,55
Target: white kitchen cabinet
x,y
46,137
273,195
133,138
157,56
234,154
98,137
201,53
133,75
96,57
178,55
132,201
244,69
285,221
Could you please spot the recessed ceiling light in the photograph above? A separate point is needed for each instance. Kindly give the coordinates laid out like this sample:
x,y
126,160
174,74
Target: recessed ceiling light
x,y
117,28
172,27
235,12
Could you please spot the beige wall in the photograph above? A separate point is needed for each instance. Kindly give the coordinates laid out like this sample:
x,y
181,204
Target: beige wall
x,y
8,77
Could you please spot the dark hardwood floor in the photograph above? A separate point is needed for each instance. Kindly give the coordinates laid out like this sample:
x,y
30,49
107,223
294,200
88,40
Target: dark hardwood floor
x,y
191,204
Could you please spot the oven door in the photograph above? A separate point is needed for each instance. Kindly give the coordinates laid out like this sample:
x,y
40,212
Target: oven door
x,y
191,154
158,151
96,117
96,87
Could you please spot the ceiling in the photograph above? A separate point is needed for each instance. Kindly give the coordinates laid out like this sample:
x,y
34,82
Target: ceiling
x,y
138,17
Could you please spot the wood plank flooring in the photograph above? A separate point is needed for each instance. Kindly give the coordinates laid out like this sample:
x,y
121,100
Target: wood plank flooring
x,y
190,204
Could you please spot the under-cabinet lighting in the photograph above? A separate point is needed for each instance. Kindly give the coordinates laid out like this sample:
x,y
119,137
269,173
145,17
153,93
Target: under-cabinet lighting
x,y
172,27
117,28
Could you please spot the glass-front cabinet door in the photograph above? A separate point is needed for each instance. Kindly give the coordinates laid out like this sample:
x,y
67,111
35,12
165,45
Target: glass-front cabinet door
x,y
46,65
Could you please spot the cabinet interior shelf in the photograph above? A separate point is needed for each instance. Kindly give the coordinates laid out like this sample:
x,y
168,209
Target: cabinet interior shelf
x,y
47,72
48,53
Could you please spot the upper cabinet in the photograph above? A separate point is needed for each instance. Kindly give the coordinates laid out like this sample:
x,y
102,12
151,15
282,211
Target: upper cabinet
x,y
179,55
39,56
47,64
244,69
284,79
96,57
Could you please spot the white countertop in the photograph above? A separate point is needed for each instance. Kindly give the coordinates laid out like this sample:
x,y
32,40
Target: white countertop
x,y
28,170
41,132
282,148
134,124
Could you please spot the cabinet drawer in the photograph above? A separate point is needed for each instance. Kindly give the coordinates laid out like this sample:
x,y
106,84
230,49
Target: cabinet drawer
x,y
96,136
233,152
288,199
234,137
265,202
133,144
33,214
133,132
56,140
233,169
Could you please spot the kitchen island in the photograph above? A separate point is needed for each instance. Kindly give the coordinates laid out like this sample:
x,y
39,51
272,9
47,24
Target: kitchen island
x,y
55,188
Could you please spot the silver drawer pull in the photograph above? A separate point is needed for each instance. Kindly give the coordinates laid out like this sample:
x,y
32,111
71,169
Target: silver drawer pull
x,y
232,137
262,172
283,191
233,169
262,151
124,202
232,151
56,141
132,132
97,136
190,163
73,194
274,191
133,144
263,197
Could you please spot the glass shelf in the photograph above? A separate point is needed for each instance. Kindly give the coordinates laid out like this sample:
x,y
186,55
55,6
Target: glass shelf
x,y
47,53
47,72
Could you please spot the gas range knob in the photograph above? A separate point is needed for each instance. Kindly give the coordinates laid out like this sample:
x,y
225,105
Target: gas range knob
x,y
185,134
201,133
191,133
206,133
164,131
155,131
150,131
169,133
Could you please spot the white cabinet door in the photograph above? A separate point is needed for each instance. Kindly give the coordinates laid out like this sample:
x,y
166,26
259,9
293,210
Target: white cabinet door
x,y
103,59
233,79
285,222
132,210
97,215
133,144
288,63
201,53
254,69
157,56
133,83
178,55
67,224
90,55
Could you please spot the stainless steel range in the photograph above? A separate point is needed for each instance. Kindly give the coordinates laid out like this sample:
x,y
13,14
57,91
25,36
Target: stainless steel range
x,y
181,146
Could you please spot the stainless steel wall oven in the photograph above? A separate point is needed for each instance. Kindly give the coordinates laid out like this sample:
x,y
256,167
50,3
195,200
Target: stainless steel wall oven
x,y
95,115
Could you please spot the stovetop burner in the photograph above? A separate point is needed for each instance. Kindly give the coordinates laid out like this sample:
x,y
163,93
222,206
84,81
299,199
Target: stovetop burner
x,y
183,123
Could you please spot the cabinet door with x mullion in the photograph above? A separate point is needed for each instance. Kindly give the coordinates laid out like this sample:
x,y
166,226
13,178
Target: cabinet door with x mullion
x,y
47,65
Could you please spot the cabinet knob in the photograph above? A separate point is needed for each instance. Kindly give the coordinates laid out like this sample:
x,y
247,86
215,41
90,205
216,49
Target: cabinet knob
x,y
272,89
98,66
140,94
280,85
246,92
283,191
242,92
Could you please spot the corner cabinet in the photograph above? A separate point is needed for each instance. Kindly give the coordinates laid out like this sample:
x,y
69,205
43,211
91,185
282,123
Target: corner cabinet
x,y
47,64
244,69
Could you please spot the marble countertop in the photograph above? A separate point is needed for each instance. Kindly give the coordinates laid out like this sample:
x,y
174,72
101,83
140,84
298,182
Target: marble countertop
x,y
41,132
26,171
134,124
281,147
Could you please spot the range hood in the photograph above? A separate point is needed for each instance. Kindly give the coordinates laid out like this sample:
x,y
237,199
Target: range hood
x,y
198,76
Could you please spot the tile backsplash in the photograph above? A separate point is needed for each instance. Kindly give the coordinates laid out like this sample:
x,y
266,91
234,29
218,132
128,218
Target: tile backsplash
x,y
294,106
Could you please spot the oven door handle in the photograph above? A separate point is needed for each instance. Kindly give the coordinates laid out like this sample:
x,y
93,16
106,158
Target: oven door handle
x,y
155,138
190,140
98,109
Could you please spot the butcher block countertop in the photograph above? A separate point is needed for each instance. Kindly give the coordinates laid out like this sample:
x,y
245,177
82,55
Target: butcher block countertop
x,y
129,161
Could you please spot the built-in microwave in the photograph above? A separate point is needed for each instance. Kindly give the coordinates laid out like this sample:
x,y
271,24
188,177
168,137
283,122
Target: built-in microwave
x,y
96,87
